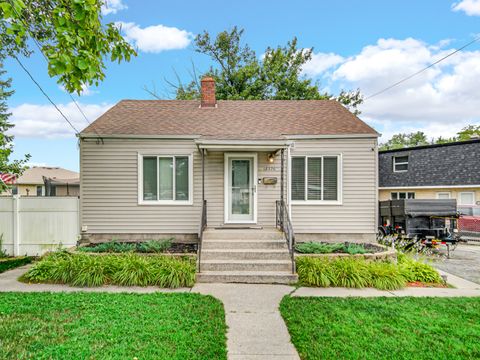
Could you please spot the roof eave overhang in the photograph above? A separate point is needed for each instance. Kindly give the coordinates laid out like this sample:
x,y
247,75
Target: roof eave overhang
x,y
235,145
137,136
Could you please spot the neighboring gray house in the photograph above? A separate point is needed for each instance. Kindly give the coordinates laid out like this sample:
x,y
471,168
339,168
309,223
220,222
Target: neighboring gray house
x,y
440,171
146,166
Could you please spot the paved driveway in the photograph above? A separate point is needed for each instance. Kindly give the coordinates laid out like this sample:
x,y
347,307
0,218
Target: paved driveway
x,y
464,262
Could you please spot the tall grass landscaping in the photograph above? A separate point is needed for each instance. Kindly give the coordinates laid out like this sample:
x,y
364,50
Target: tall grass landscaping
x,y
126,269
353,272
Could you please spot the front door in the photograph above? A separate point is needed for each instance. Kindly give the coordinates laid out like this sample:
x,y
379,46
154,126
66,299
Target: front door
x,y
240,170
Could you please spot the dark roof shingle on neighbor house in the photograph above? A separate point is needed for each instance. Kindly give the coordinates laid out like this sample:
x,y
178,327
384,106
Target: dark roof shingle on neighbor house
x,y
240,119
433,165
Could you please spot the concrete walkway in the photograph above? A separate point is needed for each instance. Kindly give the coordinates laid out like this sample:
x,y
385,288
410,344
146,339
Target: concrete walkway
x,y
255,327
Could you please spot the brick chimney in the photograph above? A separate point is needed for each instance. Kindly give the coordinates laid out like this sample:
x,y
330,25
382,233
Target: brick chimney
x,y
208,93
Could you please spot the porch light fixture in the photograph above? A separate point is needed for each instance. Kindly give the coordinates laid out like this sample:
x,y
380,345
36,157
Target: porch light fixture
x,y
271,158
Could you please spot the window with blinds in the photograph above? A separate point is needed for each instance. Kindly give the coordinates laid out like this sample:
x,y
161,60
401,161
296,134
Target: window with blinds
x,y
315,178
166,178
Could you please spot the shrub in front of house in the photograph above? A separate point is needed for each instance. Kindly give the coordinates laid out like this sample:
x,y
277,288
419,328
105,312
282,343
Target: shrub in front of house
x,y
150,246
9,263
128,269
327,248
360,273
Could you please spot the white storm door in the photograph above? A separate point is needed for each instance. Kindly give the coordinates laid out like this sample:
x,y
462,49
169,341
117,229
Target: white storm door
x,y
240,189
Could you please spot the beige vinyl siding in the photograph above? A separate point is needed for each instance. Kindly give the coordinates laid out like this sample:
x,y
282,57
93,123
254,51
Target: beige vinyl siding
x,y
357,212
109,191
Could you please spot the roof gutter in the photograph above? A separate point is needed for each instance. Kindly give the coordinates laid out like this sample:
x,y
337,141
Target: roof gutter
x,y
333,136
132,136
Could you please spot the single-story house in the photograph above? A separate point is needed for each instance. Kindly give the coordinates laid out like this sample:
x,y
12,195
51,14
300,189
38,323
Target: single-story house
x,y
441,171
146,167
46,181
225,174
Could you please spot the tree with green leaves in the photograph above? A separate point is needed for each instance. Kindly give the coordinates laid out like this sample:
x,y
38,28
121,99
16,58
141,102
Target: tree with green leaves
x,y
6,141
399,141
73,40
241,75
468,132
70,34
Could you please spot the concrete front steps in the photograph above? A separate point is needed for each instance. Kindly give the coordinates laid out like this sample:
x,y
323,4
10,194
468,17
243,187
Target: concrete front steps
x,y
245,256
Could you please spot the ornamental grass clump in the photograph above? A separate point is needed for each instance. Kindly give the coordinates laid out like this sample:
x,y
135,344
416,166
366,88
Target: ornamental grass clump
x,y
350,273
413,270
385,276
359,273
115,269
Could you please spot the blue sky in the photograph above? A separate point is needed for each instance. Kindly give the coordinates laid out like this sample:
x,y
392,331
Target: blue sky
x,y
357,44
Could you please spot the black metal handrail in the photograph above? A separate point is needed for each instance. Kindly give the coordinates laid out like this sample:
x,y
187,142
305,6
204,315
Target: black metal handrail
x,y
283,223
203,225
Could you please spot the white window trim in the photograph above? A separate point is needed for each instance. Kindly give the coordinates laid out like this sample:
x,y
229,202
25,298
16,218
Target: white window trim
x,y
406,195
399,163
339,180
449,193
467,192
141,201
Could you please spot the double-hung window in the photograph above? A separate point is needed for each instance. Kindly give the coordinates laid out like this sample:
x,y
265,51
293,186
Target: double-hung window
x,y
166,179
400,163
315,179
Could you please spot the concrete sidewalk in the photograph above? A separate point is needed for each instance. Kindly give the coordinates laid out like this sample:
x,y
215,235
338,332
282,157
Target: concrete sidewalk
x,y
255,327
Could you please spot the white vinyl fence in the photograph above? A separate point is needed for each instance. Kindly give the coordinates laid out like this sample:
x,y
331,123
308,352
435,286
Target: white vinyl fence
x,y
34,225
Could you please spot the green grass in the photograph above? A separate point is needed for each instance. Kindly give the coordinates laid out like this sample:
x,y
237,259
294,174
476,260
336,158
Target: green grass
x,y
384,328
117,269
14,262
111,326
353,272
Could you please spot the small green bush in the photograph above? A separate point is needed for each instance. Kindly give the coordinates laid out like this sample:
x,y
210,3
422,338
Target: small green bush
x,y
155,246
14,262
126,269
150,246
354,249
319,248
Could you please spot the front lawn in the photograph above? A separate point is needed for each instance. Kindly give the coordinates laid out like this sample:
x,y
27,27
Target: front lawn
x,y
111,326
384,328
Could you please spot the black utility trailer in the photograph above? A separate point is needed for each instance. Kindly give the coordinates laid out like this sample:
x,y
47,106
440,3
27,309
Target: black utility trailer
x,y
427,223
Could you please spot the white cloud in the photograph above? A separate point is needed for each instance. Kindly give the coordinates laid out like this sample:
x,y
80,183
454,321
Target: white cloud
x,y
156,38
321,62
113,6
439,101
470,7
44,121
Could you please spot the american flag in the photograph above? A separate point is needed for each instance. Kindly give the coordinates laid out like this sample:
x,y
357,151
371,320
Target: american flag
x,y
7,178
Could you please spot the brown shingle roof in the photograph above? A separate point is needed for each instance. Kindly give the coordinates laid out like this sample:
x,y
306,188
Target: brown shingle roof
x,y
270,119
34,175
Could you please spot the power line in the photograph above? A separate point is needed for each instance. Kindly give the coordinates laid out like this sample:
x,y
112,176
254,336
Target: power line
x,y
23,20
423,70
46,95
